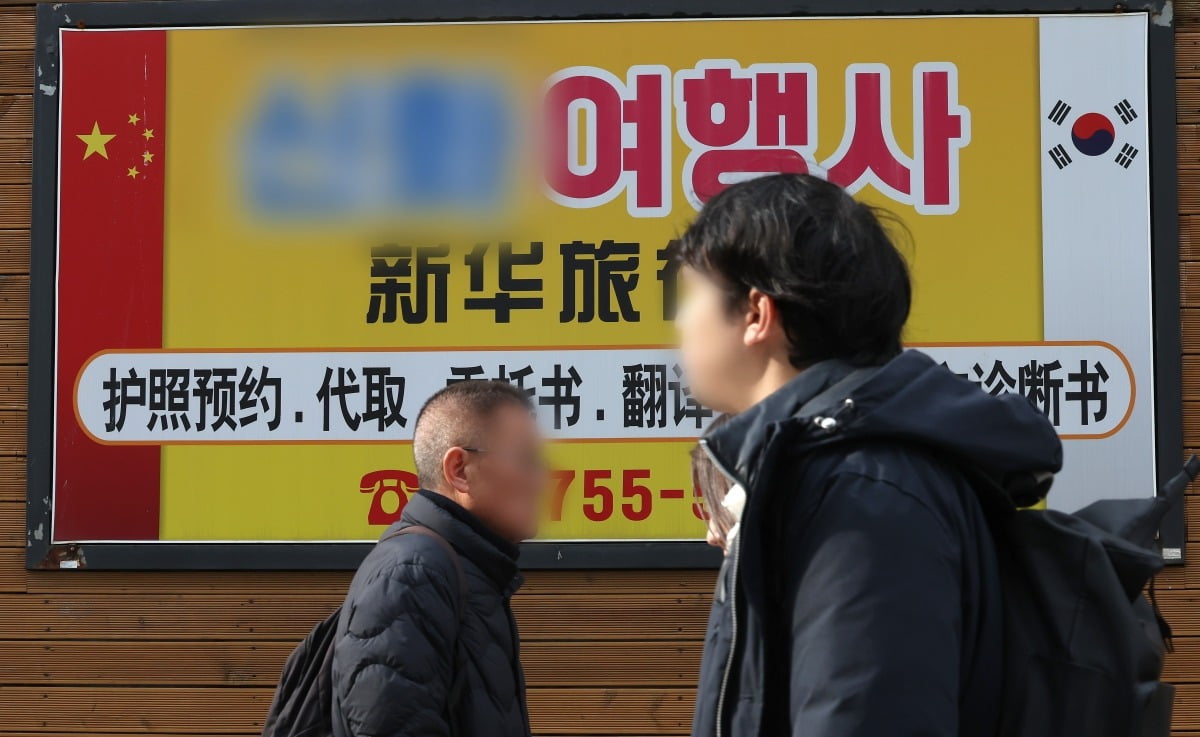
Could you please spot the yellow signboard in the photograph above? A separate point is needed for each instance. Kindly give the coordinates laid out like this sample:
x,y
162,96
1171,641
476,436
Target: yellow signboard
x,y
321,225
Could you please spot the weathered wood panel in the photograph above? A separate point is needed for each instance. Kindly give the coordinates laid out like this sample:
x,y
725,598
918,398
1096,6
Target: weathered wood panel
x,y
16,28
333,583
257,663
218,616
578,711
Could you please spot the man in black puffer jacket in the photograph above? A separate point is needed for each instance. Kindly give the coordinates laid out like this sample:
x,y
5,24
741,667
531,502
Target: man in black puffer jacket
x,y
861,596
415,653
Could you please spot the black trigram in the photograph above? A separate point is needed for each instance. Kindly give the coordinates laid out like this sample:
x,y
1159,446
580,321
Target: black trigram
x,y
1059,113
1126,111
1126,156
1059,156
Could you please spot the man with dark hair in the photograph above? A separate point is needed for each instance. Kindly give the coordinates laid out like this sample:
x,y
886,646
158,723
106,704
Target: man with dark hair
x,y
427,644
864,593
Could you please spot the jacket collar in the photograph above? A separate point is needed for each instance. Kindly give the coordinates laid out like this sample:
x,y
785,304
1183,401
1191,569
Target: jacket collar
x,y
738,446
468,535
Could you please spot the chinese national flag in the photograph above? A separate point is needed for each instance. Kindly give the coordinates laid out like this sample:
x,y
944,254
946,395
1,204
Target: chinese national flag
x,y
112,155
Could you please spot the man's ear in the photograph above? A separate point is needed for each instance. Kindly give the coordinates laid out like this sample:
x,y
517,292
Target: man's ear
x,y
454,470
762,318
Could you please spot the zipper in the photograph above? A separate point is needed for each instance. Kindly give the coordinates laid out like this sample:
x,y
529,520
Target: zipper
x,y
733,636
733,578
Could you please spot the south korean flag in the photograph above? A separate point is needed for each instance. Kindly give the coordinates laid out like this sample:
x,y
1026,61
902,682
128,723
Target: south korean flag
x,y
1093,107
1093,134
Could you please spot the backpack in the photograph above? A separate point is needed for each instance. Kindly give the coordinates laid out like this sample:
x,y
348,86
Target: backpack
x,y
303,701
1084,641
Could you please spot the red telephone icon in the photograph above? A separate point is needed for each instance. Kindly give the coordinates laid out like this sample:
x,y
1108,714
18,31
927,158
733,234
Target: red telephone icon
x,y
400,484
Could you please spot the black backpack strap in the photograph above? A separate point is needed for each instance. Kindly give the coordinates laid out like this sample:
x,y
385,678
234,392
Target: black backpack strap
x,y
459,681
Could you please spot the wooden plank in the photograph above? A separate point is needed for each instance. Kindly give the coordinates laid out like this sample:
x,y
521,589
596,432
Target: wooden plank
x,y
604,663
12,524
1187,54
14,297
289,617
328,584
16,149
15,172
14,387
592,711
1187,13
334,583
1189,191
12,479
1181,608
97,710
1189,321
16,72
1190,366
14,342
1187,97
1189,283
1177,581
12,574
1183,665
1189,238
612,711
14,252
92,663
16,28
257,663
16,114
14,205
1191,423
1187,141
1187,708
12,431
1192,505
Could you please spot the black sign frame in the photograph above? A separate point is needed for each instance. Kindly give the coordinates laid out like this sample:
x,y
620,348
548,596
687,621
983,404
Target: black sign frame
x,y
568,555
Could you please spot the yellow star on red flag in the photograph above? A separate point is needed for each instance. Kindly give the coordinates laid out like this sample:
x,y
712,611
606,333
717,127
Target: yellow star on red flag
x,y
133,172
96,141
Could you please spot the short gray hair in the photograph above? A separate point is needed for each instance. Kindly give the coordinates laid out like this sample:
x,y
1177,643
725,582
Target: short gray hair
x,y
456,416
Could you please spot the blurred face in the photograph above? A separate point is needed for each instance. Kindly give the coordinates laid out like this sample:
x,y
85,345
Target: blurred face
x,y
712,343
506,475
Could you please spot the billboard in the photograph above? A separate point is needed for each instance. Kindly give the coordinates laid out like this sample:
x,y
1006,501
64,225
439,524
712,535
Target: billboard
x,y
261,247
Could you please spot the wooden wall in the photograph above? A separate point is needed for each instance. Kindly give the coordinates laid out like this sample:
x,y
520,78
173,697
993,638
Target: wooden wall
x,y
607,653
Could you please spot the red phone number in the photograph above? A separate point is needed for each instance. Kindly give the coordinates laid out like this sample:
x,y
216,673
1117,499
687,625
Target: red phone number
x,y
600,494
391,488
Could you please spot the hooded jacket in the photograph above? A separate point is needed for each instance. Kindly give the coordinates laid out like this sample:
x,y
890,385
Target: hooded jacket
x,y
400,647
862,598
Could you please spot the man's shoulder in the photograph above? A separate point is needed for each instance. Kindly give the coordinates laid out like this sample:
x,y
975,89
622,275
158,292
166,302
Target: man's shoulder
x,y
400,578
404,559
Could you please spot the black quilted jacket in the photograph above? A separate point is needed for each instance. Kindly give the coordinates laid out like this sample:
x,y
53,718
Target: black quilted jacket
x,y
395,657
862,598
